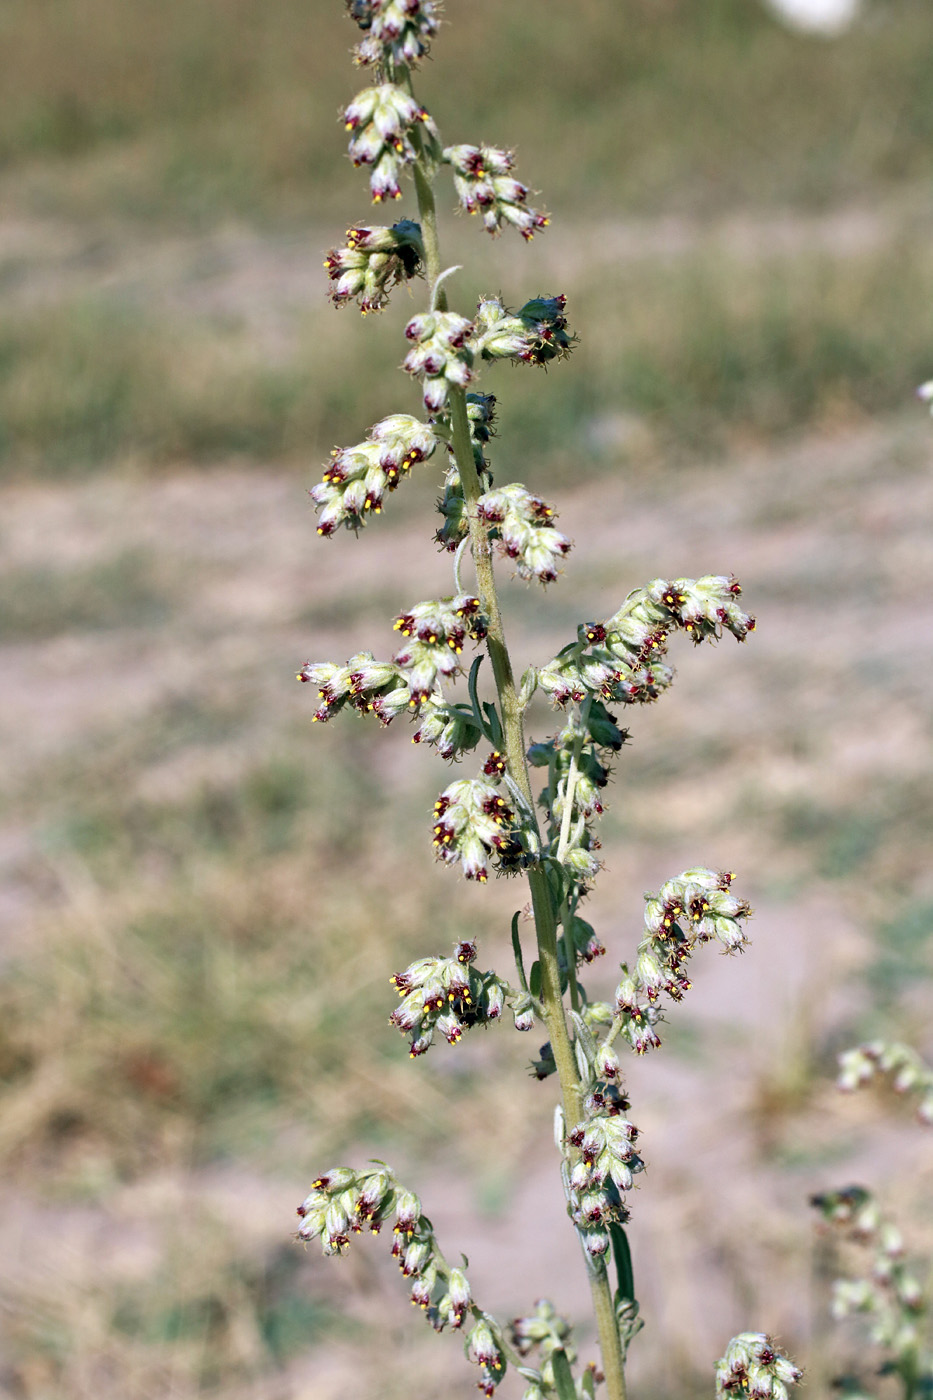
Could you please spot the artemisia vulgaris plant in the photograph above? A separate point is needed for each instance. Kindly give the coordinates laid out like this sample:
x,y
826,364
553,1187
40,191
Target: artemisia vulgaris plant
x,y
525,809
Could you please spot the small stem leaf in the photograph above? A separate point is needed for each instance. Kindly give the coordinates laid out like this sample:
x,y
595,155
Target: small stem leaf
x,y
563,1376
474,699
623,1257
556,877
585,1037
534,981
495,726
517,950
589,1384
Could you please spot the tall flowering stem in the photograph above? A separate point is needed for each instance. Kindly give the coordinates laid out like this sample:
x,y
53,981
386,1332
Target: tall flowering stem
x,y
510,709
494,821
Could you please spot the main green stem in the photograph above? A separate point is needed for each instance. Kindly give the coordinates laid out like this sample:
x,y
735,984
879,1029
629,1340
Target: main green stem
x,y
542,900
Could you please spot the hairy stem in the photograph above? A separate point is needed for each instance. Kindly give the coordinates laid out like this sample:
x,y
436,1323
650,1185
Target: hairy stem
x,y
570,956
542,899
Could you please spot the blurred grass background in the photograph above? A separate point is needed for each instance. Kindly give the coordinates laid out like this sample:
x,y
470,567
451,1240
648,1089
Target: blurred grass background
x,y
203,900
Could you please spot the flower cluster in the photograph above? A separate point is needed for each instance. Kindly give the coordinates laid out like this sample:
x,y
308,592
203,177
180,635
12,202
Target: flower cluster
x,y
908,1072
887,1289
524,525
437,631
693,908
374,260
382,120
358,477
753,1366
397,31
607,1164
485,185
534,335
440,354
636,1015
547,1330
344,1202
446,995
619,659
370,686
451,729
471,823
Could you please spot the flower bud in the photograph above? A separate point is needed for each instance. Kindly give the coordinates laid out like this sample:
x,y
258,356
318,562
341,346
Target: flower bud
x,y
414,1257
493,999
595,1242
581,863
423,1286
337,1179
481,1347
450,731
581,1175
407,1212
607,1063
373,1195
458,1290
523,1011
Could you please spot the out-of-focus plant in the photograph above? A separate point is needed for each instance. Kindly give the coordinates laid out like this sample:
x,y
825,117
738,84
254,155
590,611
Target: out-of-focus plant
x,y
882,1283
495,821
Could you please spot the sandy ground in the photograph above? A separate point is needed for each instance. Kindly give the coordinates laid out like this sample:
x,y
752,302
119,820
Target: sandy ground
x,y
832,539
825,710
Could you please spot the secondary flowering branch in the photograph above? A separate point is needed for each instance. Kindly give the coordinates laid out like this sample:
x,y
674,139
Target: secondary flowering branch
x,y
882,1286
344,1202
901,1064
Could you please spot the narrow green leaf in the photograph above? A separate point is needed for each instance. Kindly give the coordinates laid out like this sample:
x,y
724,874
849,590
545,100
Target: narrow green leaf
x,y
495,727
474,700
556,877
517,950
534,981
563,1376
623,1257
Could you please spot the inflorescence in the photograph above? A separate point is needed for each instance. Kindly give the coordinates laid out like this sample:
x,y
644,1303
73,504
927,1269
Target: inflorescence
x,y
490,821
753,1366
